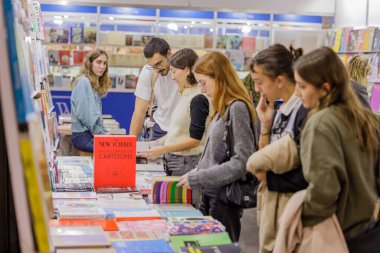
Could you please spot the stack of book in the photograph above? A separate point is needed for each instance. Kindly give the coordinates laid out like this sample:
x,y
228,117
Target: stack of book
x,y
112,126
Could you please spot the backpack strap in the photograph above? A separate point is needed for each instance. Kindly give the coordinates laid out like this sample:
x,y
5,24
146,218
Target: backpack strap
x,y
152,83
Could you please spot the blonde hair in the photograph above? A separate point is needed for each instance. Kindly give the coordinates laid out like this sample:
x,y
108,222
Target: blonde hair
x,y
102,84
324,66
358,69
228,86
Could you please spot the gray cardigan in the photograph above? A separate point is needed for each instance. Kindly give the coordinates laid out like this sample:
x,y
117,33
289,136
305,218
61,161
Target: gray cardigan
x,y
209,173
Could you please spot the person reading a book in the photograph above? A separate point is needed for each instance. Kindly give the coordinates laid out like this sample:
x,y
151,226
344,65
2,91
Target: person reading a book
x,y
86,105
339,147
186,137
155,86
230,100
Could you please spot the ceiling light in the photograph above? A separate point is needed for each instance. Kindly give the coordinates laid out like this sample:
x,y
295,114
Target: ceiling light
x,y
66,17
193,22
57,17
111,18
172,26
57,21
185,27
246,29
211,29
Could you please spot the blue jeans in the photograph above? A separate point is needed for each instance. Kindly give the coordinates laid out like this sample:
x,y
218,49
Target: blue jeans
x,y
83,141
157,132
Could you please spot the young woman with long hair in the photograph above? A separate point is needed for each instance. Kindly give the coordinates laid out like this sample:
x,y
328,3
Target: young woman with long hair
x,y
221,84
86,105
339,145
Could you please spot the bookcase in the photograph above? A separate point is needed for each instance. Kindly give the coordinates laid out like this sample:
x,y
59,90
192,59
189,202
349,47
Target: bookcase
x,y
73,31
347,42
29,126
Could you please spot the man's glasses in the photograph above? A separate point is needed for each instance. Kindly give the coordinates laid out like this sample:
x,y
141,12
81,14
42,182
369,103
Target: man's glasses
x,y
157,66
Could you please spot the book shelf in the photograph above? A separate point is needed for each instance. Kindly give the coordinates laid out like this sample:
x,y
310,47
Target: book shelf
x,y
27,106
122,32
347,42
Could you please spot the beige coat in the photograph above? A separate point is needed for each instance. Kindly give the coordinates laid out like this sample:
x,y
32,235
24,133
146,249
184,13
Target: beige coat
x,y
279,157
326,236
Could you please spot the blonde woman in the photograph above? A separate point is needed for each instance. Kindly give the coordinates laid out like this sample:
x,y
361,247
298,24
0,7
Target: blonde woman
x,y
221,84
86,105
358,70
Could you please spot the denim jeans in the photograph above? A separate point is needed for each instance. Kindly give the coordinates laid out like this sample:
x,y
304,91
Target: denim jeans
x,y
83,141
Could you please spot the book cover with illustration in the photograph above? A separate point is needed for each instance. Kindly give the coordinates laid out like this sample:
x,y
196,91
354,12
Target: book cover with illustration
x,y
148,246
53,57
226,248
90,34
221,41
78,57
76,35
233,42
248,43
179,241
57,35
194,228
64,57
114,161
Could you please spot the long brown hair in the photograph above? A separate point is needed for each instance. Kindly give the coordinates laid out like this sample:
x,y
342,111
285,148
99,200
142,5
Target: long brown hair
x,y
324,66
228,86
102,84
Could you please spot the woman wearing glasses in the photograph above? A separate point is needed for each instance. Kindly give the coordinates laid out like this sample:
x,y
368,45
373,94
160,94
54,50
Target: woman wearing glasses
x,y
185,139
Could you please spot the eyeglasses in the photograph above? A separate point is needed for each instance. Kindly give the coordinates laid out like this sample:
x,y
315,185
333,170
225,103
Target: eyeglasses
x,y
201,85
158,65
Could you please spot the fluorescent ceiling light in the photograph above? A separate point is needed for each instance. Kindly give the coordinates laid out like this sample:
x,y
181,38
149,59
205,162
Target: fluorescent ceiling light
x,y
246,29
57,21
172,26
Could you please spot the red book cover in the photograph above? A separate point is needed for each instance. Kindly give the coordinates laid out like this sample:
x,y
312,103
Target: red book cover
x,y
78,57
64,57
114,161
248,43
107,225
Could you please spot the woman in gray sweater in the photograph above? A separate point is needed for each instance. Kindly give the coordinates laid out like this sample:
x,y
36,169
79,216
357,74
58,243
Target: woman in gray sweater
x,y
219,81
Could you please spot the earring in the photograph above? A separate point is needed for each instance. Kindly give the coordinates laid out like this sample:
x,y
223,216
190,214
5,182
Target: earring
x,y
181,90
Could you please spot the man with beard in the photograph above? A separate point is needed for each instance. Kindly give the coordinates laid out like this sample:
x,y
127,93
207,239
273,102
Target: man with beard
x,y
155,84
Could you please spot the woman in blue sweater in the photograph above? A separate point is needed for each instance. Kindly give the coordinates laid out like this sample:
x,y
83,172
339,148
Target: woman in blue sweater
x,y
86,105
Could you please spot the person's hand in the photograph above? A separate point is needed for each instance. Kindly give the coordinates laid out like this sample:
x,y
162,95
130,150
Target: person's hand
x,y
184,182
261,176
153,153
265,112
